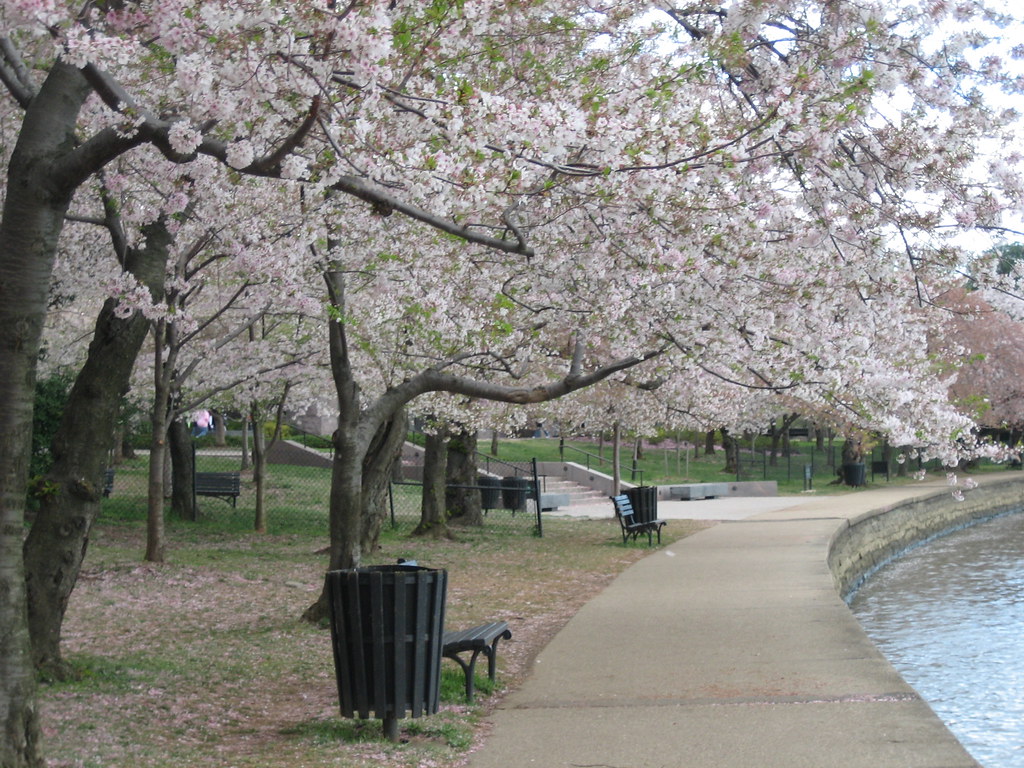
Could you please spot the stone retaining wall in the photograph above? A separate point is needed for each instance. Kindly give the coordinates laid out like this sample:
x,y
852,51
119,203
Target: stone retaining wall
x,y
865,543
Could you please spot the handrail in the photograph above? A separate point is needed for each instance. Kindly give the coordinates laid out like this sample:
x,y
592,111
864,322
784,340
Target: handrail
x,y
516,469
634,471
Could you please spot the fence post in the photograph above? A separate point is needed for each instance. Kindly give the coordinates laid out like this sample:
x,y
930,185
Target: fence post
x,y
391,504
536,497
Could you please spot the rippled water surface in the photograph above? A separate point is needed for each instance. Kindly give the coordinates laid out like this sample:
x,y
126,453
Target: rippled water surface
x,y
950,617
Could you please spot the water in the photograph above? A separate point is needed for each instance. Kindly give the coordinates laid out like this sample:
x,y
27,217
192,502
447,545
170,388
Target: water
x,y
950,617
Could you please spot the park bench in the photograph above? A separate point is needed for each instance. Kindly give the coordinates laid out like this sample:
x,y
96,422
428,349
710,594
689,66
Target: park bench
x,y
483,639
108,481
631,527
221,485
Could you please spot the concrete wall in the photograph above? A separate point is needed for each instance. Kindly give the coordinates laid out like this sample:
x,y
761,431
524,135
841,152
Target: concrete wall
x,y
865,543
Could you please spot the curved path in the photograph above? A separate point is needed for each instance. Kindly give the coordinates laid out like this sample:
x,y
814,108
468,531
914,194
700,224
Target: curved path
x,y
728,648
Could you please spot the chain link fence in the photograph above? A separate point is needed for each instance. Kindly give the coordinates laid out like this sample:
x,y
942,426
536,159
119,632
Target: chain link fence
x,y
297,493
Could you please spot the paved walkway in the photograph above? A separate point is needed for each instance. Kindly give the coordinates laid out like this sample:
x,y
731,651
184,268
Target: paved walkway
x,y
728,648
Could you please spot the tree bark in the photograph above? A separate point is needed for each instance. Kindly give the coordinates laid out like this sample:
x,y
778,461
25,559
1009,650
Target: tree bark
x,y
158,420
246,421
220,429
345,507
732,452
433,512
56,545
39,190
378,469
780,438
709,443
616,458
183,471
259,471
463,502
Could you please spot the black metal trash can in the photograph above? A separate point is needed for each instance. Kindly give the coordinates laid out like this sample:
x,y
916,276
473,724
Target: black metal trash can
x,y
490,491
514,492
387,628
644,499
854,474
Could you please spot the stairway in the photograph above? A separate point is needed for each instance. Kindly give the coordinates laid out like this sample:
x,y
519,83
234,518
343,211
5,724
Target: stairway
x,y
578,494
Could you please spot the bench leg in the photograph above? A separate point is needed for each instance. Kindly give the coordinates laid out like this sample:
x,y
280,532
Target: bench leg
x,y
492,655
469,669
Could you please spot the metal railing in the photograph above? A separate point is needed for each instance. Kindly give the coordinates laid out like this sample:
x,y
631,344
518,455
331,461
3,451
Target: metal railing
x,y
636,475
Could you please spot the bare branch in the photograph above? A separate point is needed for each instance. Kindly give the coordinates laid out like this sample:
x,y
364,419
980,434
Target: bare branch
x,y
14,74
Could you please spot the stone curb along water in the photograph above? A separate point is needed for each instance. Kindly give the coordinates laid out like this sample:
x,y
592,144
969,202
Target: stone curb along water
x,y
867,542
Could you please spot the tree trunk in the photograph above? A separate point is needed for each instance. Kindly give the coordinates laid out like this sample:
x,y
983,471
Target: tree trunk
x,y
220,429
379,465
732,452
433,513
463,502
780,438
56,545
616,459
246,421
709,443
346,498
183,471
158,418
853,451
494,443
259,464
37,199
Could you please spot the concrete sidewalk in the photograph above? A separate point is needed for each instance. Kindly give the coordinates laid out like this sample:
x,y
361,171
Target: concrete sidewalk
x,y
727,648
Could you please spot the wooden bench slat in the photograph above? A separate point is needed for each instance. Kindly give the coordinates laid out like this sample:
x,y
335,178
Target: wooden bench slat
x,y
222,485
482,639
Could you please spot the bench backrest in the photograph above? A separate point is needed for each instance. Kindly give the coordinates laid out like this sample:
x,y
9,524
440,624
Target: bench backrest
x,y
623,508
229,481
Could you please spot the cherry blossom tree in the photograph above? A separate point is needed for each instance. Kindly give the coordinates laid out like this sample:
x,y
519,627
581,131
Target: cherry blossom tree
x,y
986,347
538,196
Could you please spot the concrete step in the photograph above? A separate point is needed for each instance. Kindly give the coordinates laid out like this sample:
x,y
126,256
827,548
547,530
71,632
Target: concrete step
x,y
578,494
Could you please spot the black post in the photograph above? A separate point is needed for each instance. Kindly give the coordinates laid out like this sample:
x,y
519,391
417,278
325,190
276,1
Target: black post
x,y
536,496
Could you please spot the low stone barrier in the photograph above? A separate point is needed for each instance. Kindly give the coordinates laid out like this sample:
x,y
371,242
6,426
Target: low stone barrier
x,y
865,543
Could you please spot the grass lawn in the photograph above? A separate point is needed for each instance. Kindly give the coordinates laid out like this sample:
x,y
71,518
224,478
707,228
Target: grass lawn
x,y
203,661
665,463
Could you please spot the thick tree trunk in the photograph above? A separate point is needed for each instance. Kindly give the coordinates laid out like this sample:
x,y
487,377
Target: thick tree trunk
x,y
33,214
183,471
780,438
732,452
56,545
464,503
378,469
709,443
220,429
433,514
